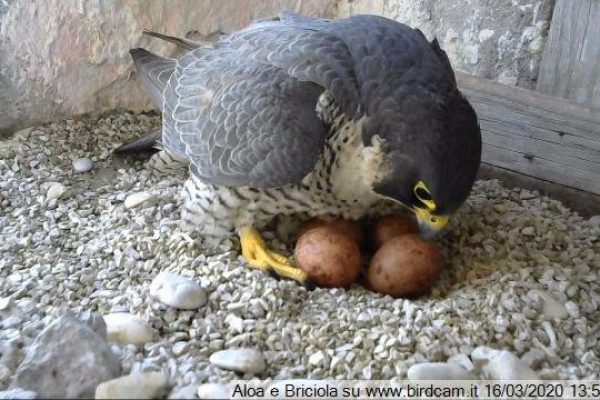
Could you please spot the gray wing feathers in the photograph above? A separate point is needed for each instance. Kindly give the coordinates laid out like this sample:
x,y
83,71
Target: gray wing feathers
x,y
305,54
243,109
255,125
154,71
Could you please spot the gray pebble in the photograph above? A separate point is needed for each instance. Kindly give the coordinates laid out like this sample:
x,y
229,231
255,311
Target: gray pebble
x,y
55,191
140,200
463,360
187,392
147,385
438,371
125,328
528,231
502,364
241,360
176,291
551,308
82,165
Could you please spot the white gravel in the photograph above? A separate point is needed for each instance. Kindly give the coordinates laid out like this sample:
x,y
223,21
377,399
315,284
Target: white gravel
x,y
512,259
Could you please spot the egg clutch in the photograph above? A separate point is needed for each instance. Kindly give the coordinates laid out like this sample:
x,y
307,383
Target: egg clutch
x,y
399,262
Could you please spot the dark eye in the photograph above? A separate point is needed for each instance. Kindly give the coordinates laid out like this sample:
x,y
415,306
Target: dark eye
x,y
423,194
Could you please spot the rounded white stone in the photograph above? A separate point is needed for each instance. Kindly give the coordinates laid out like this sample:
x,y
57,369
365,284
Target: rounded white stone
x,y
140,199
534,357
180,348
463,360
236,324
55,191
185,392
438,370
241,360
483,354
178,292
528,231
502,364
146,385
82,165
127,329
508,366
213,391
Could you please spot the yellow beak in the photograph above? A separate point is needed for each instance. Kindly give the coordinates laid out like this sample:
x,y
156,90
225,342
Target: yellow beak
x,y
430,225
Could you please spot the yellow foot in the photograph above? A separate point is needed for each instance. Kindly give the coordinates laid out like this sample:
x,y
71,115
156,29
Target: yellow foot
x,y
259,256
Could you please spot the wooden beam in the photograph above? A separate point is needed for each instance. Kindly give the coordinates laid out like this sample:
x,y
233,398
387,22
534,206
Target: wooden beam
x,y
570,66
536,135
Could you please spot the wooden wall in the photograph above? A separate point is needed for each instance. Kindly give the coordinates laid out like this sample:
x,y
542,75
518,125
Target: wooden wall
x,y
570,67
537,135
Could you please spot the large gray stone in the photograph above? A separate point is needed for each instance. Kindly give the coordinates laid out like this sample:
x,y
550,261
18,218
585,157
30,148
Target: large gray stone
x,y
10,353
496,39
68,359
61,58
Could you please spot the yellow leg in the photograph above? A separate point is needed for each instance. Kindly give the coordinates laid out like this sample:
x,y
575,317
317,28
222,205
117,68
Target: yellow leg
x,y
259,256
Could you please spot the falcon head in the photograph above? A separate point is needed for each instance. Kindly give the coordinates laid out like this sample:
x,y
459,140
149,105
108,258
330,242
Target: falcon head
x,y
431,150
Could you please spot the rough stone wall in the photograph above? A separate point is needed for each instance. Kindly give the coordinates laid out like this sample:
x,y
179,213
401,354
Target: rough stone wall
x,y
496,39
61,58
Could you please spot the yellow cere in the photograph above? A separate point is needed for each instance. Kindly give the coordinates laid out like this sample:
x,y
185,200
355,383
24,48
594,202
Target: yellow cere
x,y
435,222
425,214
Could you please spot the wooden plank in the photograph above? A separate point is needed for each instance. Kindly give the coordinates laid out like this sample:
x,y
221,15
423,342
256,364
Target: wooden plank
x,y
570,66
539,168
496,135
537,135
569,145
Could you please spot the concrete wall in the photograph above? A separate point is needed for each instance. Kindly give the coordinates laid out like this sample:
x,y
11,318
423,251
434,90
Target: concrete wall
x,y
60,58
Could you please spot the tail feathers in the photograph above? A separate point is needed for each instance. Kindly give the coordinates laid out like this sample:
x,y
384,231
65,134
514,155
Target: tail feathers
x,y
146,142
181,42
155,72
165,162
443,58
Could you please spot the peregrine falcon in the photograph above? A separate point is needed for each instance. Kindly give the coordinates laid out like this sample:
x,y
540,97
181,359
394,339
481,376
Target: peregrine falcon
x,y
303,115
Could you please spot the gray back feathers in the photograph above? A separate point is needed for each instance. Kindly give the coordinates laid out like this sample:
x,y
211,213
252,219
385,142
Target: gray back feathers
x,y
242,110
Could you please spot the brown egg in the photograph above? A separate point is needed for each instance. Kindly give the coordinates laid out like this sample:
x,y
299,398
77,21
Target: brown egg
x,y
405,266
347,227
329,257
391,226
311,224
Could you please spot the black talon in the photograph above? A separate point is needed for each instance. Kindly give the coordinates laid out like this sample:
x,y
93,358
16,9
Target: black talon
x,y
273,274
309,285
